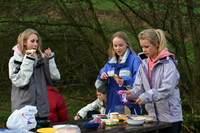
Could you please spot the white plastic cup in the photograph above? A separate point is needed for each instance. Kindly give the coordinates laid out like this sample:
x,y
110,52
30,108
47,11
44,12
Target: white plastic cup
x,y
114,115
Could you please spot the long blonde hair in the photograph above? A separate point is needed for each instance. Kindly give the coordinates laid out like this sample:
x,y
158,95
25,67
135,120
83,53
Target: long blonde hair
x,y
122,35
155,36
23,37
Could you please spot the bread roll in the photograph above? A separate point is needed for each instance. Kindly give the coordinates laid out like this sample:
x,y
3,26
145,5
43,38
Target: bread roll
x,y
116,76
30,51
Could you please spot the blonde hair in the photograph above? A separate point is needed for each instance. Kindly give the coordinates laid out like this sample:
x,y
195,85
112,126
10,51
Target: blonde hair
x,y
122,35
155,36
23,37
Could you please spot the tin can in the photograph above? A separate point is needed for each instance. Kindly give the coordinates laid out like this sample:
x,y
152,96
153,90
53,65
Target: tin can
x,y
102,124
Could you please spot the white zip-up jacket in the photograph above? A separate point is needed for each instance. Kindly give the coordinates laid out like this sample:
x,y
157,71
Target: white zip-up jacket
x,y
29,81
97,104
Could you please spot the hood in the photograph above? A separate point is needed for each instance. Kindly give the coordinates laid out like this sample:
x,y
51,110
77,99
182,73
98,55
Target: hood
x,y
17,49
49,88
162,54
125,56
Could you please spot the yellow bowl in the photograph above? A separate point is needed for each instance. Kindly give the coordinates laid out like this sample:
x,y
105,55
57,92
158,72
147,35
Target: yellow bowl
x,y
46,130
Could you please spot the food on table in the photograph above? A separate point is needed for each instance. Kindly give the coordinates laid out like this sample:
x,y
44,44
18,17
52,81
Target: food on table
x,y
147,118
102,124
137,118
122,117
67,130
110,122
102,116
114,115
127,110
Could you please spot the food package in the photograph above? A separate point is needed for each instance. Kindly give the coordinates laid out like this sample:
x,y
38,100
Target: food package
x,y
124,97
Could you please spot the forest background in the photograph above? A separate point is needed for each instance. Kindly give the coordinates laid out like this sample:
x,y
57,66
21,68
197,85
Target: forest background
x,y
79,32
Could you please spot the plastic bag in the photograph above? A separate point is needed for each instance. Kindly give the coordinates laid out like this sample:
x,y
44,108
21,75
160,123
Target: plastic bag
x,y
68,129
16,131
23,118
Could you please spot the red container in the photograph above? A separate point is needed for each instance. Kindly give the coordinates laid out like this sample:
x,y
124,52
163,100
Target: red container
x,y
102,124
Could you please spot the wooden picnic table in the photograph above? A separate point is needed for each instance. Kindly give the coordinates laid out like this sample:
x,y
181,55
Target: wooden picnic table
x,y
122,127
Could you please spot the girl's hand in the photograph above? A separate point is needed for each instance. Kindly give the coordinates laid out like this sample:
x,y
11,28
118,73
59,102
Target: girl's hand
x,y
128,93
47,52
119,81
103,76
76,118
32,54
138,101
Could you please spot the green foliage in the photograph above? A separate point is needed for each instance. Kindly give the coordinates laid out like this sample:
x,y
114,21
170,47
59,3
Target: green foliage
x,y
103,4
191,123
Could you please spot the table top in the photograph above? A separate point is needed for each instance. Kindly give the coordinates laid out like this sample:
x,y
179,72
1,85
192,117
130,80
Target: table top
x,y
122,127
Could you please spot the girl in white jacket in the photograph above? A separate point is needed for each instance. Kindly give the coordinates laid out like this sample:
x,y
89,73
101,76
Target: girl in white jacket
x,y
30,71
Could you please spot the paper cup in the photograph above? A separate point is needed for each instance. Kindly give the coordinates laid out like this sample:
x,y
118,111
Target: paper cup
x,y
114,115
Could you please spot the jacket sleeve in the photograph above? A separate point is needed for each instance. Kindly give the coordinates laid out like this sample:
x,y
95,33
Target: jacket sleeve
x,y
21,74
138,87
51,70
92,106
129,81
99,82
168,84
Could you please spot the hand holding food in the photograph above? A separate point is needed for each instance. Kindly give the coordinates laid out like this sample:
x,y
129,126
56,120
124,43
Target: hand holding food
x,y
31,52
115,76
128,93
118,79
138,101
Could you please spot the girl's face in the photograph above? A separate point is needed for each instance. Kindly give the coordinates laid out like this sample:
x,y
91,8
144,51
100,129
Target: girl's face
x,y
32,42
101,96
149,49
119,46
